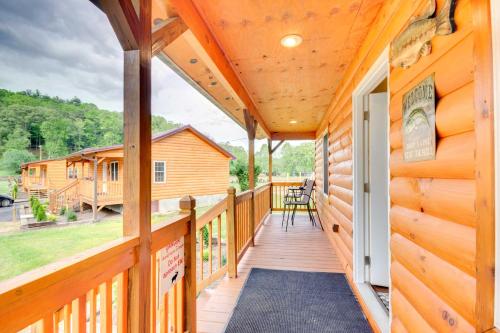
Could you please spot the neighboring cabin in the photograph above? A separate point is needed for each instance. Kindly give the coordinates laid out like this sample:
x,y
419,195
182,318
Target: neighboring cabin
x,y
184,161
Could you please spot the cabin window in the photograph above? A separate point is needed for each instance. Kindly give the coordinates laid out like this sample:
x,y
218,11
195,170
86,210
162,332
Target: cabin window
x,y
70,173
325,164
32,171
113,171
159,172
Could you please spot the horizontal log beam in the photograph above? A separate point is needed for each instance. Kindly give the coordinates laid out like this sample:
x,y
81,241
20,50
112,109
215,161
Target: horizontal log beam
x,y
166,33
189,13
124,20
293,136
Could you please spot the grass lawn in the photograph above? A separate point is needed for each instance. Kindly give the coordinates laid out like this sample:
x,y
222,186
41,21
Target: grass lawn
x,y
23,251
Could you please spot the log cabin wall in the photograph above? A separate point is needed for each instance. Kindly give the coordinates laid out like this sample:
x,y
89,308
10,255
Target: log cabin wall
x,y
433,203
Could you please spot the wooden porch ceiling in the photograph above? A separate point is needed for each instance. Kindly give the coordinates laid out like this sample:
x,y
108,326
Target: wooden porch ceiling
x,y
231,52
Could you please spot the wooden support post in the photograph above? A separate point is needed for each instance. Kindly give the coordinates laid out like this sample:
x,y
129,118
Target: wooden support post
x,y
270,159
187,206
251,125
94,201
137,183
232,256
137,169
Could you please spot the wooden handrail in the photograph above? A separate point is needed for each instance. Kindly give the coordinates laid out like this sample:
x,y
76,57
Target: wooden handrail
x,y
243,196
41,292
166,232
212,213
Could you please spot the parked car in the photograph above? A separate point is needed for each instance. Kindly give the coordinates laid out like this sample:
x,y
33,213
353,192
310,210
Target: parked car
x,y
6,201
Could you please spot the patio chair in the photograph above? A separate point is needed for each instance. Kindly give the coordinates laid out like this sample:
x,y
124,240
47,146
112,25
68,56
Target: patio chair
x,y
296,191
305,198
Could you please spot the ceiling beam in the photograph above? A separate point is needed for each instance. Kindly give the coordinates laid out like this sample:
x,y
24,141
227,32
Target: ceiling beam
x,y
188,12
293,135
124,20
166,33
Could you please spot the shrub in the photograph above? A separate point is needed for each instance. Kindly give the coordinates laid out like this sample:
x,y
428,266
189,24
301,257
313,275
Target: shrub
x,y
71,216
51,218
62,211
40,213
241,172
204,232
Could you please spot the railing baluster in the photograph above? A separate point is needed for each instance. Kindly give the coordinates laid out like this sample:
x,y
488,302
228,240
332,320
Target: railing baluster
x,y
48,324
201,252
174,309
122,291
219,239
164,314
78,315
180,305
210,247
67,318
93,310
105,307
153,292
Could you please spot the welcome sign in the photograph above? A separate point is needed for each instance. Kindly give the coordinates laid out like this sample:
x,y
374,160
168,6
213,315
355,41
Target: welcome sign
x,y
419,122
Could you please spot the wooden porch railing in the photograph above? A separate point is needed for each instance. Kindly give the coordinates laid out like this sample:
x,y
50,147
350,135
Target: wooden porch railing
x,y
91,289
212,261
64,197
280,189
107,192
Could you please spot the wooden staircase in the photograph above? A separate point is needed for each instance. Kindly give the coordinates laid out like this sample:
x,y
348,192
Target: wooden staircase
x,y
40,193
66,196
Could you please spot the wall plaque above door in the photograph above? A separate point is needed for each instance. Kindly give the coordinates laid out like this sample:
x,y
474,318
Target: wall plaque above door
x,y
419,122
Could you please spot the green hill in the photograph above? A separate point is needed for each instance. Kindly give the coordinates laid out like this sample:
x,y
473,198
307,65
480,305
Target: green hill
x,y
30,119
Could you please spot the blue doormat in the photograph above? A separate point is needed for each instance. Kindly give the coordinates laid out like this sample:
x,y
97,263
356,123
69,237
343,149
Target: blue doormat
x,y
289,301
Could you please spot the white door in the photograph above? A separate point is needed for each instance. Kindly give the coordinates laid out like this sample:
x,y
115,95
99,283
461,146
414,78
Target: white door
x,y
104,177
378,190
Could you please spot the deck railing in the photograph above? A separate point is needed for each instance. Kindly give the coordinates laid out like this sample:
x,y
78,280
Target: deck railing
x,y
91,289
107,192
280,189
66,197
212,252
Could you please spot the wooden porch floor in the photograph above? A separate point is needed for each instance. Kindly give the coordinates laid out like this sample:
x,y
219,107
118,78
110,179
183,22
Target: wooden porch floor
x,y
302,248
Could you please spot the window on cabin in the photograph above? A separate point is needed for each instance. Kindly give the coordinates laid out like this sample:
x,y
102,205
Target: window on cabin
x,y
32,171
113,171
159,171
70,173
325,164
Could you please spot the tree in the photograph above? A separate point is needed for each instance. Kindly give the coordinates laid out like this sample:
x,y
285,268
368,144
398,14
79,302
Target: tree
x,y
12,160
19,139
241,172
56,134
239,153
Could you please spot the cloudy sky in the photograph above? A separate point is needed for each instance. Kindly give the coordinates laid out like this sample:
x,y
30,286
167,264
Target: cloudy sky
x,y
67,48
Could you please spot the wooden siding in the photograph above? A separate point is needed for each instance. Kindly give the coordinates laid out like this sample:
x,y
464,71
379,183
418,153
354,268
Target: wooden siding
x,y
56,173
193,167
433,203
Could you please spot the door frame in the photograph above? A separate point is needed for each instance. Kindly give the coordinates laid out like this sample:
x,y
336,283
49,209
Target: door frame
x,y
378,71
495,45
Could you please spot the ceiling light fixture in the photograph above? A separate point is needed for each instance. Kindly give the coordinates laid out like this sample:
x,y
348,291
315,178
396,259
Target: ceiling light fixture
x,y
293,121
291,41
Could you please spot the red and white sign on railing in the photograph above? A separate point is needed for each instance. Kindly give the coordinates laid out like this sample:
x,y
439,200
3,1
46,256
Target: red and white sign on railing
x,y
170,266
